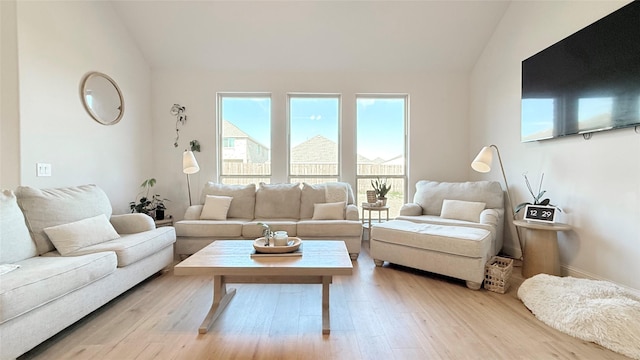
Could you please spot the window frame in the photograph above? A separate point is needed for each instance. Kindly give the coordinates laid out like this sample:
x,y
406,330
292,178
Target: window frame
x,y
331,177
220,96
404,176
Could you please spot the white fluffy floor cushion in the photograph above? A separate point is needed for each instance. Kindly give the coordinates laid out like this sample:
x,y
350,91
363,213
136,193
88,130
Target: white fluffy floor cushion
x,y
591,310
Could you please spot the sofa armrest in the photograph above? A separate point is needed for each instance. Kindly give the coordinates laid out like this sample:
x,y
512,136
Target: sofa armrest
x,y
411,209
193,212
132,223
490,217
351,212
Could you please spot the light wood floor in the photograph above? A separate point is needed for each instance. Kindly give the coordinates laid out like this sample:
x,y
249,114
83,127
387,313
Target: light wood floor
x,y
377,313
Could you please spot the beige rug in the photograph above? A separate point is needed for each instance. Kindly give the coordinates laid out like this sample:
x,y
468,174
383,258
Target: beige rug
x,y
591,310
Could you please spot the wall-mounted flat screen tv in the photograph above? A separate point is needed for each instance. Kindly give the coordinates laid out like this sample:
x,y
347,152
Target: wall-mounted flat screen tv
x,y
588,82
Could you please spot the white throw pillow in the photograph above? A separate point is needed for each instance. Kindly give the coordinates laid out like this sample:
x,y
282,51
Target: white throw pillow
x,y
71,237
462,210
329,211
215,207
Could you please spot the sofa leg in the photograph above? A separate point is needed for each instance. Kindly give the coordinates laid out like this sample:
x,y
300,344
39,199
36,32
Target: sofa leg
x,y
474,285
354,256
378,262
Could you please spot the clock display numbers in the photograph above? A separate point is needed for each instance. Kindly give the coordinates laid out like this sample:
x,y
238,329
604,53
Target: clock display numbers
x,y
540,213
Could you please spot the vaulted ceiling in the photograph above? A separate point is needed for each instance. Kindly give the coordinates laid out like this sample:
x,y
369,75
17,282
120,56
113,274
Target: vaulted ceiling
x,y
311,35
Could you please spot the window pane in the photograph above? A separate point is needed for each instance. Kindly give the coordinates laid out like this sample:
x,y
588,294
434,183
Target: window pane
x,y
245,138
380,136
312,181
313,124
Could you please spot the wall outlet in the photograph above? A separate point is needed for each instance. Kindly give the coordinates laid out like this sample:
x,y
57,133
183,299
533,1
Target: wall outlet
x,y
43,169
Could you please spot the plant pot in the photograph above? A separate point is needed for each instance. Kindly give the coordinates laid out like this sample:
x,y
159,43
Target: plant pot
x,y
383,201
159,214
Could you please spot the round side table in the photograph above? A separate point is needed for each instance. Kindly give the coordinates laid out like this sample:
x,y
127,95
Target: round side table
x,y
541,253
369,209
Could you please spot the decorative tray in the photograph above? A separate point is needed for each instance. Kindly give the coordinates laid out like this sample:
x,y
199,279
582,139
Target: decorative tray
x,y
292,245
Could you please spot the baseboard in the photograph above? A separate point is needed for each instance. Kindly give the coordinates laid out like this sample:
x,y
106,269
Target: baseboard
x,y
578,273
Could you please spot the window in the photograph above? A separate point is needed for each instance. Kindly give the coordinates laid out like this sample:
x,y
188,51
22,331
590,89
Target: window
x,y
314,151
244,123
381,122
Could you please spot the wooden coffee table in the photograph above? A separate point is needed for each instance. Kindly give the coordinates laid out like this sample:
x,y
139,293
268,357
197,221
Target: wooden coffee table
x,y
230,261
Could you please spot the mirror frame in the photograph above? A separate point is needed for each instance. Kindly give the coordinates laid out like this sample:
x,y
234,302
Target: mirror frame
x,y
83,88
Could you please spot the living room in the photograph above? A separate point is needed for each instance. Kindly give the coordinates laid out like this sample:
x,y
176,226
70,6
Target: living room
x,y
47,47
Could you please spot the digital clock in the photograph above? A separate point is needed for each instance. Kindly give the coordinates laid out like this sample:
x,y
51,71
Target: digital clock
x,y
540,213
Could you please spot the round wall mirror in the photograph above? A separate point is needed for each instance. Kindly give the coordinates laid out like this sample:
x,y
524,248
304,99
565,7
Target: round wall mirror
x,y
102,98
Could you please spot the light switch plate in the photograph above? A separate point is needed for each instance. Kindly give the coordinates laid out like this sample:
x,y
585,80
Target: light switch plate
x,y
43,169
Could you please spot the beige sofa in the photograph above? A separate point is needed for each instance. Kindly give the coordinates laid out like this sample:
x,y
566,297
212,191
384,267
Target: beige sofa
x,y
450,228
43,291
299,209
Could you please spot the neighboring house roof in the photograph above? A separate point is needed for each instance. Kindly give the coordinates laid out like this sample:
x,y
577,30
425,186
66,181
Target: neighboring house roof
x,y
318,149
231,131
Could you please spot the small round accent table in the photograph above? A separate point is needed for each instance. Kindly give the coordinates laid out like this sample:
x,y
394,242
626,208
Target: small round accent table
x,y
369,208
541,253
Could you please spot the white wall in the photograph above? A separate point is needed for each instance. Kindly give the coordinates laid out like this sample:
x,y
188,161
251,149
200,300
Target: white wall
x,y
58,43
438,120
10,123
596,182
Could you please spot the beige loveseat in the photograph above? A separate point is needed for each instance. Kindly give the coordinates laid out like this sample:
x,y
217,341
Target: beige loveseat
x,y
450,228
64,255
310,212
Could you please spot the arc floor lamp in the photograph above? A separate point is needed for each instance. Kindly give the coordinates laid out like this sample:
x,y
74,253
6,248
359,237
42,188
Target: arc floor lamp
x,y
482,163
189,167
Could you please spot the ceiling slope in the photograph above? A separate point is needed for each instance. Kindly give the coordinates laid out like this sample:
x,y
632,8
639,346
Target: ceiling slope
x,y
311,35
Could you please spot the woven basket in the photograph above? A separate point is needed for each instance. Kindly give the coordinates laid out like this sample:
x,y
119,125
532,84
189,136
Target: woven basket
x,y
371,196
497,273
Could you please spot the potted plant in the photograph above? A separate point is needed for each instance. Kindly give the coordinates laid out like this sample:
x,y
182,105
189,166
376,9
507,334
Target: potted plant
x,y
537,199
153,206
381,188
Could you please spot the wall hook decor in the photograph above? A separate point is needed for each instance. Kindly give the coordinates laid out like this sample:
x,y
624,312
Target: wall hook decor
x,y
178,110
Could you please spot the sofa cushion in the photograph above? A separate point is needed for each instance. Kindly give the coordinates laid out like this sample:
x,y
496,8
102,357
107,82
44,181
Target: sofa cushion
x,y
210,228
275,201
430,194
45,208
72,237
216,207
457,240
244,198
329,211
322,193
462,210
42,279
15,242
130,248
310,229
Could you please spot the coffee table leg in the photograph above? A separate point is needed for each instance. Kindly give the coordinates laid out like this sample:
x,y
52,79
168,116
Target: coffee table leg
x,y
220,300
326,281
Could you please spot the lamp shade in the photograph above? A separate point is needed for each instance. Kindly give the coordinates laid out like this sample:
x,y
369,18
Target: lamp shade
x,y
482,162
189,163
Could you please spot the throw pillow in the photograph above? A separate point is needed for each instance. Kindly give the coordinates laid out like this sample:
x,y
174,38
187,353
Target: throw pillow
x,y
215,207
462,210
71,237
329,211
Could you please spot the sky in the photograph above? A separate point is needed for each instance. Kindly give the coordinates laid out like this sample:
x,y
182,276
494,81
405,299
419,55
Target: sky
x,y
380,121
